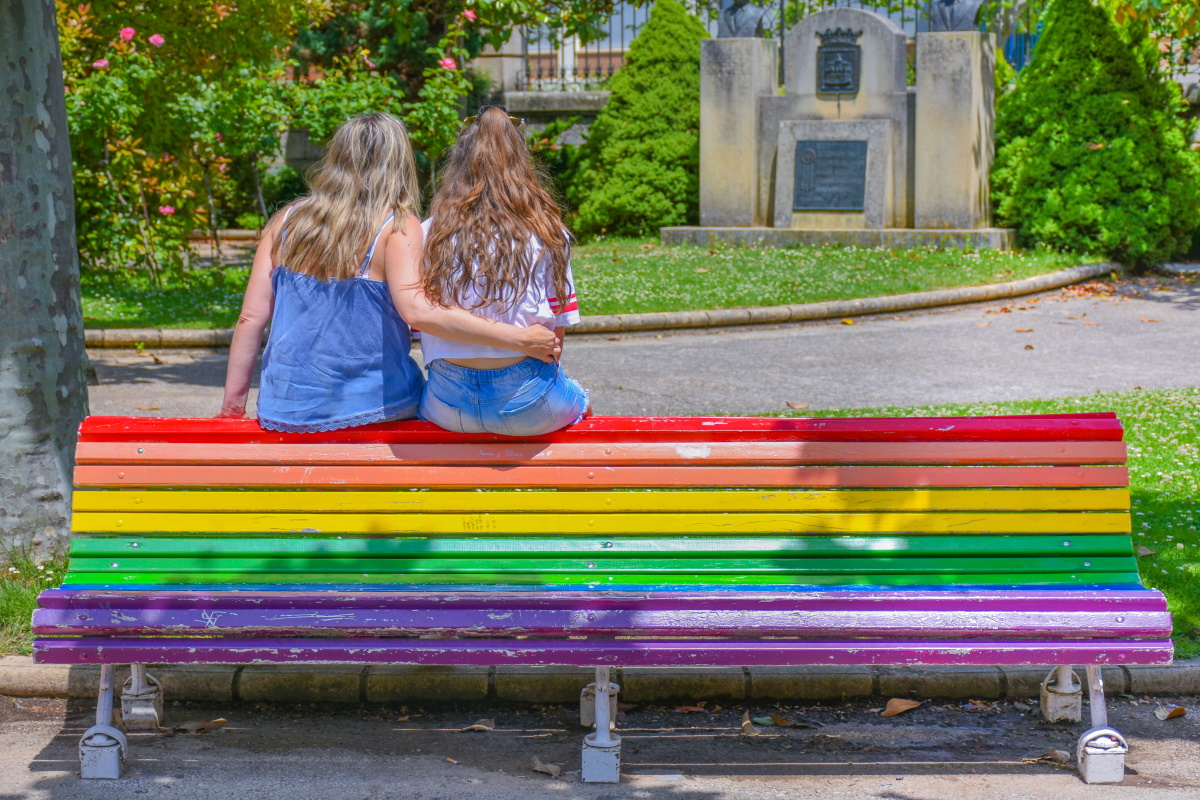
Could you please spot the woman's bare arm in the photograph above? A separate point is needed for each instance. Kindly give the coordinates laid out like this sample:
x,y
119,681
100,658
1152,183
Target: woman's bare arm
x,y
402,266
247,334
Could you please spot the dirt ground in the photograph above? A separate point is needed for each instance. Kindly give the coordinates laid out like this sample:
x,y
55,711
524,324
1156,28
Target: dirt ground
x,y
947,749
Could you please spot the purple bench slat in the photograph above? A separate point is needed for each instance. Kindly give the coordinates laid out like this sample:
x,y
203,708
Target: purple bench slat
x,y
486,652
1138,615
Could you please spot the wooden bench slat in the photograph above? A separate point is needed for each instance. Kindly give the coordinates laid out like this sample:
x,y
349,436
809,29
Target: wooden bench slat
x,y
608,453
538,477
356,502
575,652
608,524
1035,427
300,619
132,547
1125,575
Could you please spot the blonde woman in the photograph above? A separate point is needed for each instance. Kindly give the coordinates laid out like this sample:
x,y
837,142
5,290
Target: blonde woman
x,y
338,351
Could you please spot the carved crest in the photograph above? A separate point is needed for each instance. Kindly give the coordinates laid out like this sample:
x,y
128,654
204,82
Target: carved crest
x,y
839,61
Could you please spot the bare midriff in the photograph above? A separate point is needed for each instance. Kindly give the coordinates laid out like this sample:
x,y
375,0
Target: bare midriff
x,y
486,363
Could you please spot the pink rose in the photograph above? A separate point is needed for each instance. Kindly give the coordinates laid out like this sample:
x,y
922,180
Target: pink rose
x,y
447,63
127,34
468,14
100,63
157,40
166,211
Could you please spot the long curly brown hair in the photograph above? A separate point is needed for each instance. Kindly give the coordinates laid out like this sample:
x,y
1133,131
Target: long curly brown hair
x,y
491,201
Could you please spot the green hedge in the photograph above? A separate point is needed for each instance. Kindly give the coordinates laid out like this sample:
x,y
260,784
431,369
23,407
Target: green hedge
x,y
1091,147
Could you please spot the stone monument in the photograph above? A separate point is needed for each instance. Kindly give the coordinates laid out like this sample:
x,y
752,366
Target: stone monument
x,y
834,150
733,74
954,130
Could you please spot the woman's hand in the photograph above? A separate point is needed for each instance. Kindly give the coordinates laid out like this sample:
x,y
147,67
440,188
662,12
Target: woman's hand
x,y
231,412
541,343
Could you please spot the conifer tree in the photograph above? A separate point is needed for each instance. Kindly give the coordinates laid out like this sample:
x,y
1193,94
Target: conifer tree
x,y
1092,151
641,162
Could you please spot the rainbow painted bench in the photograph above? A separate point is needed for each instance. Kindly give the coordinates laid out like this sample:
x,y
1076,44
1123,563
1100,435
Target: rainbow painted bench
x,y
619,542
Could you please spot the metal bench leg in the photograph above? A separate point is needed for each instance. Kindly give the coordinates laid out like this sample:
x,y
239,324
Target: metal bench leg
x,y
141,701
102,750
1101,751
602,749
1062,696
587,704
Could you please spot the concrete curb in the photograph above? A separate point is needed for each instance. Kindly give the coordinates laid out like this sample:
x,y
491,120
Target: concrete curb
x,y
297,683
673,320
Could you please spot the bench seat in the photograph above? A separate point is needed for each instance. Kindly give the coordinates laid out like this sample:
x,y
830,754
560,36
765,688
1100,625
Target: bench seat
x,y
617,542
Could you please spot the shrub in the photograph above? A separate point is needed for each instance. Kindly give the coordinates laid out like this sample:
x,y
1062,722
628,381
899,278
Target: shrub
x,y
641,161
1091,151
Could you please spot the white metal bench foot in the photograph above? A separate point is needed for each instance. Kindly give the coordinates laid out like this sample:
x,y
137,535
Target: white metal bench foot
x,y
1062,696
587,704
602,749
1101,751
103,748
141,701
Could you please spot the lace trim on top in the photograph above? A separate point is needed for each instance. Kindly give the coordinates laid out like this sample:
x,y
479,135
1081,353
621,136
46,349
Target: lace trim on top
x,y
365,418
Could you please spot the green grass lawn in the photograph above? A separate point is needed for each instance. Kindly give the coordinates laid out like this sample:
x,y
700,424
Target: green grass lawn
x,y
20,581
1162,431
618,276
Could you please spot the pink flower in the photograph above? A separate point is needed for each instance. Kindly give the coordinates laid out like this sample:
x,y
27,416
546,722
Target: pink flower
x,y
370,64
468,14
100,63
447,63
127,34
157,40
220,136
166,211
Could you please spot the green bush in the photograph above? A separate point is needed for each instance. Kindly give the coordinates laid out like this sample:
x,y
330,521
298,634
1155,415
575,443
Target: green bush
x,y
1091,150
641,161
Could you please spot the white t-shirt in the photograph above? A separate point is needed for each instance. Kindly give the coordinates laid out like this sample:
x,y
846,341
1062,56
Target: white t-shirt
x,y
537,306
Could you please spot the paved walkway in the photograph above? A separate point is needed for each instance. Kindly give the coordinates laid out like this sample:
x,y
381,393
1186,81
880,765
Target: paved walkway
x,y
1074,341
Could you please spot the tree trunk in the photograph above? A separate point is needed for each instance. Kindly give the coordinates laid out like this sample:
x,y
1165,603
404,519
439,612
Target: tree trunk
x,y
43,388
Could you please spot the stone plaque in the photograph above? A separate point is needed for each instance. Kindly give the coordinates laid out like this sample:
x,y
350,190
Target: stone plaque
x,y
830,176
839,61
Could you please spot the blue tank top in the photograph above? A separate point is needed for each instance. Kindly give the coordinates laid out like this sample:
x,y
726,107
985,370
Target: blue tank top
x,y
337,355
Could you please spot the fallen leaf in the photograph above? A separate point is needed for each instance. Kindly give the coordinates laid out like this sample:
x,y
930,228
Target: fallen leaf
x,y
763,721
901,319
144,407
784,722
748,726
483,725
157,360
1147,319
1053,756
701,270
983,324
553,770
898,706
1024,330
790,404
405,718
1144,551
689,709
1093,146
1093,324
1174,712
1019,706
847,321
200,727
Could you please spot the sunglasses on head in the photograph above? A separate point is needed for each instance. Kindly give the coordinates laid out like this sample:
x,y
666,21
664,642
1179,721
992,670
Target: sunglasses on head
x,y
516,121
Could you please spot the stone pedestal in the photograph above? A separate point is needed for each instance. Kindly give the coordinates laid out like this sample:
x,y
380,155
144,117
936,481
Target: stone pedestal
x,y
869,175
878,92
733,74
954,121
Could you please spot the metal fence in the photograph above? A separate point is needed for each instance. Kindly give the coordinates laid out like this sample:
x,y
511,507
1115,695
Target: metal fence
x,y
587,62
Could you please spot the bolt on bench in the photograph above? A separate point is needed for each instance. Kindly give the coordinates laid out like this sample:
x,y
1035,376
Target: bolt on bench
x,y
619,542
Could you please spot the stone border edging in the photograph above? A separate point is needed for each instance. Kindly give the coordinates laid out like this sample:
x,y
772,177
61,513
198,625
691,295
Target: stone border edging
x,y
300,683
672,320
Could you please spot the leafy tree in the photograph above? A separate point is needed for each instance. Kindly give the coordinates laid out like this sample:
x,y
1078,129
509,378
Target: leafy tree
x,y
43,393
641,161
1092,152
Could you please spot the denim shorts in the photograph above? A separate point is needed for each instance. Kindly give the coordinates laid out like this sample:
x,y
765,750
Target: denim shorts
x,y
528,398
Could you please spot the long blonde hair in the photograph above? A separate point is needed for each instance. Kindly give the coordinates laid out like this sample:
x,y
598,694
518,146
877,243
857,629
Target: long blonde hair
x,y
491,201
367,170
